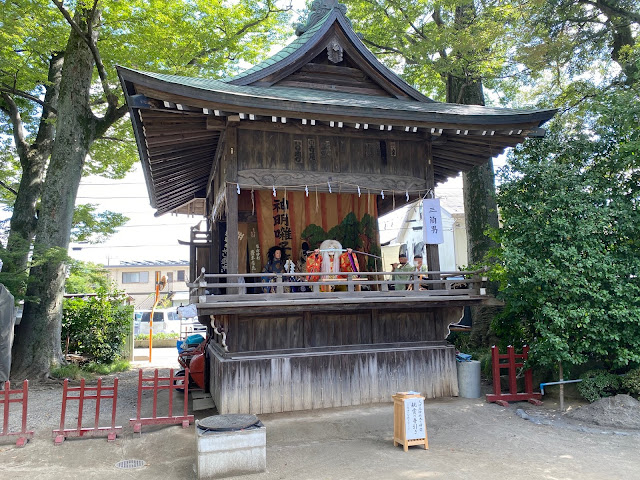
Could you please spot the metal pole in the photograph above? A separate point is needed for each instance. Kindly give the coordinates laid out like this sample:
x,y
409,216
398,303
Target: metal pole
x,y
153,310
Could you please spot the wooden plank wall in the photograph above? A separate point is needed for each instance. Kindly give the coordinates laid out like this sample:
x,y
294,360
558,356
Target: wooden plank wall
x,y
330,152
339,379
254,333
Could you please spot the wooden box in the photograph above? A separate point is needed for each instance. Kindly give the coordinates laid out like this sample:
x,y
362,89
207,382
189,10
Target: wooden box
x,y
409,427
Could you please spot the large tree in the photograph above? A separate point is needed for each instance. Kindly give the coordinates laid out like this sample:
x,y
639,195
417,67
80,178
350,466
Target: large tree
x,y
448,50
571,239
63,107
570,202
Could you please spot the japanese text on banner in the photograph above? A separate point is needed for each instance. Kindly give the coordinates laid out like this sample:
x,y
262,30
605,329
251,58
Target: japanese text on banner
x,y
432,221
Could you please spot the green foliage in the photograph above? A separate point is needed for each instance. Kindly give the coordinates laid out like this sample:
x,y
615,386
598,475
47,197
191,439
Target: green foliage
x,y
107,368
631,382
88,371
597,384
70,371
15,281
348,232
86,277
371,241
314,235
97,326
158,336
571,240
430,41
94,227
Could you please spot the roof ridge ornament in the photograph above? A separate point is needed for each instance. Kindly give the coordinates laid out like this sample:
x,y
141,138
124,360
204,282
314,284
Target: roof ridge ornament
x,y
319,8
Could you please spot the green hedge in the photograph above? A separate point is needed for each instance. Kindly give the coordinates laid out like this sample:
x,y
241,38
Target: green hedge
x,y
96,326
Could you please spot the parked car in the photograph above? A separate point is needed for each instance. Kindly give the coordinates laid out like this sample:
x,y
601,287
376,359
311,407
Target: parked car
x,y
190,326
137,316
164,321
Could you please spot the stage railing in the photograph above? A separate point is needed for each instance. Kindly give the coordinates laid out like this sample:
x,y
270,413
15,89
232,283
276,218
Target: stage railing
x,y
225,287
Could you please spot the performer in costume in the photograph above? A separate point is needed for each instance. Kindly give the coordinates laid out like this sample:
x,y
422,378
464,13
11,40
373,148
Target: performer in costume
x,y
402,266
329,258
275,264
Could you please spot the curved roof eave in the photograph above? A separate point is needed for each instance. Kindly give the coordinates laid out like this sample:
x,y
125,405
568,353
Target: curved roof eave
x,y
308,101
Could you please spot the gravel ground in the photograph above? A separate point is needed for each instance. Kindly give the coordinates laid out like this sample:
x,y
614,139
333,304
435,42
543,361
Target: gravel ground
x,y
45,399
468,439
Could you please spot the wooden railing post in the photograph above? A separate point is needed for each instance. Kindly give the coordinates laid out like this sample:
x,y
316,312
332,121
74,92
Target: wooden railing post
x,y
279,286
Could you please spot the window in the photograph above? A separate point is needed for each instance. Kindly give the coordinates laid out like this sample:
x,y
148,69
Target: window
x,y
157,317
169,277
181,275
135,277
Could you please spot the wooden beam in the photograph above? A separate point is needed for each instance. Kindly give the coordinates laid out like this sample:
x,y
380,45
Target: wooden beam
x,y
266,178
333,88
322,130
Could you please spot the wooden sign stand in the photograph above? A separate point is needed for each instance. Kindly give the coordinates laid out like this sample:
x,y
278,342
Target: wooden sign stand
x,y
408,420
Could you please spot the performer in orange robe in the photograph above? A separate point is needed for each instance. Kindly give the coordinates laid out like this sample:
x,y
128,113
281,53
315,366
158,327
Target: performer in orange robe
x,y
327,260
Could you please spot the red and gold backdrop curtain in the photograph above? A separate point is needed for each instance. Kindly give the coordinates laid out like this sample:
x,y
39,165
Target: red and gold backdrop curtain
x,y
281,222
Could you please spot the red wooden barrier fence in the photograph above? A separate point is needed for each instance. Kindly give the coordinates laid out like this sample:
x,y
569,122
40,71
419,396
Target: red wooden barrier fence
x,y
169,383
88,393
13,396
510,361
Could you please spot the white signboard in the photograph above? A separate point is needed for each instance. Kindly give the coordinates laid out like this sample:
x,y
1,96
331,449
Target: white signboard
x,y
414,418
432,221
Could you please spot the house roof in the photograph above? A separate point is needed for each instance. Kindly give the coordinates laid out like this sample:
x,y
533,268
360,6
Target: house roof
x,y
151,263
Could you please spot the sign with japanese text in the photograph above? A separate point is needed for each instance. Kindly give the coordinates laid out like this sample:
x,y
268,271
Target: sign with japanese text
x,y
414,418
432,221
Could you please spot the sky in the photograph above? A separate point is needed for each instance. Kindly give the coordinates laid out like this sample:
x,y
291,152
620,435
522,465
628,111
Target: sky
x,y
144,237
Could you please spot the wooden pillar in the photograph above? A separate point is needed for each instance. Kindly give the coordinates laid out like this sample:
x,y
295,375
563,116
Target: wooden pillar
x,y
231,175
433,256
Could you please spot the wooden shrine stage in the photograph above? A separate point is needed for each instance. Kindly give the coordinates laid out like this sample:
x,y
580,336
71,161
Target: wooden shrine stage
x,y
308,350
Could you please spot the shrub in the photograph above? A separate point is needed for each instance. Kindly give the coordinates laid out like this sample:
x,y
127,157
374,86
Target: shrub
x,y
96,326
158,336
631,382
597,384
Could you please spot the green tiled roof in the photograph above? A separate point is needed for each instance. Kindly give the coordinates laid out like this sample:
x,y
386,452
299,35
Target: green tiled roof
x,y
285,52
290,99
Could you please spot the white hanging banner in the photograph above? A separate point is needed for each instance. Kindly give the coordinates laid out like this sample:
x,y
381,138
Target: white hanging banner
x,y
432,221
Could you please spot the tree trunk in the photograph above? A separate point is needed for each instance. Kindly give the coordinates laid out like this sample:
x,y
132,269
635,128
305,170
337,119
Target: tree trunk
x,y
37,343
33,160
481,211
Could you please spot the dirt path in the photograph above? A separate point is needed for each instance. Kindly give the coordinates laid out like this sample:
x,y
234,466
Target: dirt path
x,y
468,439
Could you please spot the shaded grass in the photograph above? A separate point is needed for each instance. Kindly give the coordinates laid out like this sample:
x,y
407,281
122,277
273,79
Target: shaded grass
x,y
89,370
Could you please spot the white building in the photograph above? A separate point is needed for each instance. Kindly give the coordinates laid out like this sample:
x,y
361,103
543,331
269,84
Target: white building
x,y
402,231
